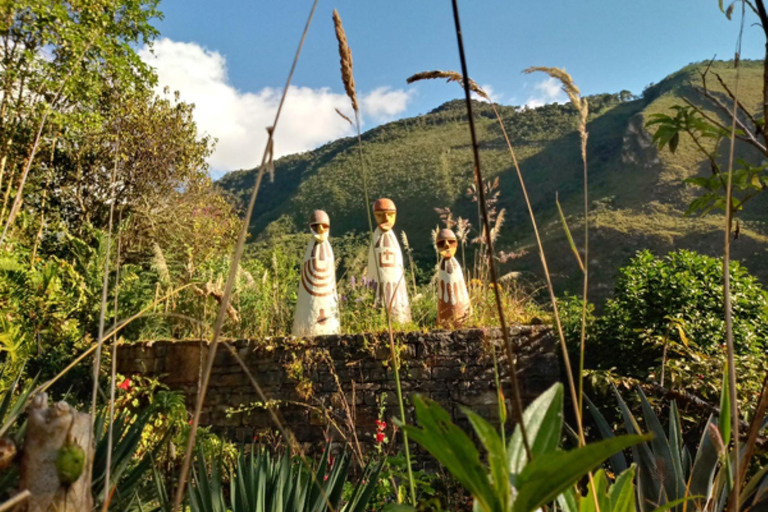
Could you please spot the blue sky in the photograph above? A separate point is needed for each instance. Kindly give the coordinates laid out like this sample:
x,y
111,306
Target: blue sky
x,y
231,57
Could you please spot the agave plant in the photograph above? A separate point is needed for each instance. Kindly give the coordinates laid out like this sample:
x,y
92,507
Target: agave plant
x,y
669,475
511,482
260,482
127,473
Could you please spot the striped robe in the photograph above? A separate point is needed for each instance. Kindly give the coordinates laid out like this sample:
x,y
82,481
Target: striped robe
x,y
317,308
453,304
386,269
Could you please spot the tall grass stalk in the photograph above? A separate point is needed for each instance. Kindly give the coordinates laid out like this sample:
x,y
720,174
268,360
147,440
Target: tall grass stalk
x,y
348,77
113,372
488,236
105,283
733,502
180,491
582,108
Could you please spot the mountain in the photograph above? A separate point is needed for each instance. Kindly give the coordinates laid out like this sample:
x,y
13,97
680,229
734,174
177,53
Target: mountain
x,y
637,194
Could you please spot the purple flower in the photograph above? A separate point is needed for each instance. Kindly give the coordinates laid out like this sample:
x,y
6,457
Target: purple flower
x,y
343,298
352,281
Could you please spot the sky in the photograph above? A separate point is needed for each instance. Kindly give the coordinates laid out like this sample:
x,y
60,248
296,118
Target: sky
x,y
231,58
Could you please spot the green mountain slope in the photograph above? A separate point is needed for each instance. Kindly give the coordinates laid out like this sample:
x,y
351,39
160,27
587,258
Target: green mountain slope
x,y
636,193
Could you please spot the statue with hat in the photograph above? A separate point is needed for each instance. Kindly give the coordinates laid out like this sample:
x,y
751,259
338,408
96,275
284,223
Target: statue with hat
x,y
385,263
317,308
453,305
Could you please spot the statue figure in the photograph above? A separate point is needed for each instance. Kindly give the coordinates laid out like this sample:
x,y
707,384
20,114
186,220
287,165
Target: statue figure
x,y
317,308
453,305
385,263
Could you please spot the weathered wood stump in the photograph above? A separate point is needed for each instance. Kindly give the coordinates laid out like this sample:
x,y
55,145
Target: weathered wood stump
x,y
48,430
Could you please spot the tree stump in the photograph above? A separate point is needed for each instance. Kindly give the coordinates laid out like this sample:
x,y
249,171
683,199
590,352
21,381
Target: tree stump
x,y
48,430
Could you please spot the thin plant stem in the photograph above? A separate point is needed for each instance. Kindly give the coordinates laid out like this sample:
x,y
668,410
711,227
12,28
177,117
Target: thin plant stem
x,y
585,293
16,500
105,283
489,240
231,279
733,502
113,373
548,277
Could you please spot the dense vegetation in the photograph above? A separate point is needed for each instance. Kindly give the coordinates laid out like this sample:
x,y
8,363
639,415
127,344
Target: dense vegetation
x,y
112,230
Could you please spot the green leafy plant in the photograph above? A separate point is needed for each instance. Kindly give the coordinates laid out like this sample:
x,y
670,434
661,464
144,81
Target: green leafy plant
x,y
669,474
262,482
509,481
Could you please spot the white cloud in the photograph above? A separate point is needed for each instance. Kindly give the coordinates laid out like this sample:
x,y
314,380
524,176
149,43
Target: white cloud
x,y
238,119
548,90
384,103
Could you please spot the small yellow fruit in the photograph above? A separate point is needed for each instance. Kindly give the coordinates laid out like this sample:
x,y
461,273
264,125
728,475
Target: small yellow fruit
x,y
69,463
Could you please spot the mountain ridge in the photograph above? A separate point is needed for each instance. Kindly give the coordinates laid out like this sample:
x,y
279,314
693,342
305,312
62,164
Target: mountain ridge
x,y
637,194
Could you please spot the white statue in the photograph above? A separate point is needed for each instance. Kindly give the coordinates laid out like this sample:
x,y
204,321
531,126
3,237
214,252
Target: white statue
x,y
385,264
453,305
317,308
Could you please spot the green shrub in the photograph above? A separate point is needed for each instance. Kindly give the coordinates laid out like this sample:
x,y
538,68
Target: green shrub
x,y
687,286
675,299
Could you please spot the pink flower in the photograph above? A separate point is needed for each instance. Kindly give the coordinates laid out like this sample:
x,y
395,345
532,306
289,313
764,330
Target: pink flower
x,y
125,385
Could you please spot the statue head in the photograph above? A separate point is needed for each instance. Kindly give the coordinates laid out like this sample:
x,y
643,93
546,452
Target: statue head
x,y
446,243
319,224
385,213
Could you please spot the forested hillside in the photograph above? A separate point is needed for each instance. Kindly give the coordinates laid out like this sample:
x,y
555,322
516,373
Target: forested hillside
x,y
638,198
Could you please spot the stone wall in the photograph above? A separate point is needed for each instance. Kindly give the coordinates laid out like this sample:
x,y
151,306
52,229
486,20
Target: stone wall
x,y
317,386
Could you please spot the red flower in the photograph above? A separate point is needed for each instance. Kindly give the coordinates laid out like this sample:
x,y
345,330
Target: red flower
x,y
325,478
125,385
380,437
381,425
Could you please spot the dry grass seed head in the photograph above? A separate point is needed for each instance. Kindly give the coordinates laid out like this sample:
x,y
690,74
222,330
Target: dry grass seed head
x,y
346,60
450,76
574,94
344,117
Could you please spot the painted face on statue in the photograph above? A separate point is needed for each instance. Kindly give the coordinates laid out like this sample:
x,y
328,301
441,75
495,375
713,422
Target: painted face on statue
x,y
447,248
385,219
320,231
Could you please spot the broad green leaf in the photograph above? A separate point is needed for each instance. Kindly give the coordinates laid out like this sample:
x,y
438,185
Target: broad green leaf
x,y
674,141
547,476
543,420
497,456
601,487
453,449
622,492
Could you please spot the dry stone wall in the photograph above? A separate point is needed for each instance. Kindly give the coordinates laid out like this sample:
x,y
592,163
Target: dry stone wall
x,y
324,387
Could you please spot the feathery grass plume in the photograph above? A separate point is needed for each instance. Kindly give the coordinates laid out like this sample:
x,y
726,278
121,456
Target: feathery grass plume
x,y
346,61
344,117
450,76
574,94
498,224
160,265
